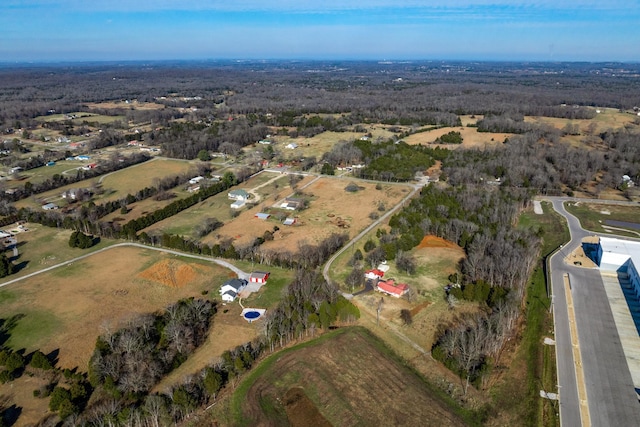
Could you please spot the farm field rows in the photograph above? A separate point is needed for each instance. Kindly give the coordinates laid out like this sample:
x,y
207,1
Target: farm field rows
x,y
347,377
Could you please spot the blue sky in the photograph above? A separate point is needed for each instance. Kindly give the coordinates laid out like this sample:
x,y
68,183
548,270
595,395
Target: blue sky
x,y
89,30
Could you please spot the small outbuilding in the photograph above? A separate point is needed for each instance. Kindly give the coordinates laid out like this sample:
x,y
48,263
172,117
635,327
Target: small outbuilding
x,y
258,277
374,274
238,204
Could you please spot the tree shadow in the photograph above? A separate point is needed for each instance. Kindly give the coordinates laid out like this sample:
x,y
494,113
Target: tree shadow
x,y
53,356
10,415
19,266
6,325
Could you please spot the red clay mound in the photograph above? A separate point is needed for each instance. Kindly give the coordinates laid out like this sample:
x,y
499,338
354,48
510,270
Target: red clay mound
x,y
170,273
432,241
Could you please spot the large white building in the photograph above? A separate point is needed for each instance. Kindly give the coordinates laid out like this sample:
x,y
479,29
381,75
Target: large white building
x,y
621,256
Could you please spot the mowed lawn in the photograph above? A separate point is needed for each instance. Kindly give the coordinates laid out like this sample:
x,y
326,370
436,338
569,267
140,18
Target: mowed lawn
x,y
347,377
40,247
38,175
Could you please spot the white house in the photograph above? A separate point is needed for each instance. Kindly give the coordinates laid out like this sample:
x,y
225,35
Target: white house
x,y
238,194
374,274
196,180
231,288
291,146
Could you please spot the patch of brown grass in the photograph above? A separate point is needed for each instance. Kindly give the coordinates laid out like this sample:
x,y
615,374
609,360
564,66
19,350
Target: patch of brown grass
x,y
471,138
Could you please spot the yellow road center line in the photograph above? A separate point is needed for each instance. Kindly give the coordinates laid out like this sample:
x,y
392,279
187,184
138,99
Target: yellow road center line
x,y
577,358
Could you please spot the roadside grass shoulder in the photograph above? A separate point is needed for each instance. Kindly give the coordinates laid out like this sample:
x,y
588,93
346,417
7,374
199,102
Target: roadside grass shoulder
x,y
593,216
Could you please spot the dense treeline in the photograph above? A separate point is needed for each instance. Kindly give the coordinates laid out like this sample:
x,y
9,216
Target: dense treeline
x,y
498,262
309,304
133,359
227,137
280,95
536,161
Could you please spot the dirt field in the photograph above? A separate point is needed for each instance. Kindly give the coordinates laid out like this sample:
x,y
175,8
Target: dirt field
x,y
348,378
471,138
331,210
323,142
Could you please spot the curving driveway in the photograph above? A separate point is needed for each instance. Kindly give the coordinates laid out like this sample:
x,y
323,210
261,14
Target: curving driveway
x,y
241,274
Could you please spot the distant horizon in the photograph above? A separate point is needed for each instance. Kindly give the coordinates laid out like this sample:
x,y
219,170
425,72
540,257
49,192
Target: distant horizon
x,y
461,30
240,61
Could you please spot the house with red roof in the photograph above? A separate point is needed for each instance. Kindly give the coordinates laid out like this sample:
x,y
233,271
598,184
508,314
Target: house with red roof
x,y
390,287
374,274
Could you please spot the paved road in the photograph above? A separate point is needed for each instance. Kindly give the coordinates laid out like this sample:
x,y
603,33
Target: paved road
x,y
610,393
241,274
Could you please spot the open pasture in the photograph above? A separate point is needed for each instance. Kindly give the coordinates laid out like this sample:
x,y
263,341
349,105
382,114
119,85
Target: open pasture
x,y
471,138
79,118
319,144
331,209
131,105
40,247
37,175
100,293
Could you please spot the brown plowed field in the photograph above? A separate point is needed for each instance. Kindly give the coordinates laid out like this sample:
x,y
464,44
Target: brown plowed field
x,y
347,379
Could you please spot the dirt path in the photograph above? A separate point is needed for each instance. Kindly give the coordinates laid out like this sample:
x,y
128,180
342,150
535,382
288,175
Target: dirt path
x,y
253,191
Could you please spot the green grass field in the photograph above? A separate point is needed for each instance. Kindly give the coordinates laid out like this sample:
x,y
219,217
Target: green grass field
x,y
43,247
594,216
43,173
218,206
